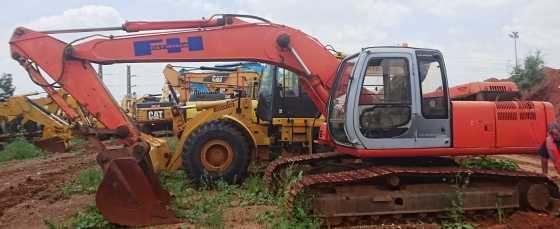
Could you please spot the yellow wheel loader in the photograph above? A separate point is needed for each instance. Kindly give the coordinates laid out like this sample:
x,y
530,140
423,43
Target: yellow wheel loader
x,y
36,120
218,139
151,113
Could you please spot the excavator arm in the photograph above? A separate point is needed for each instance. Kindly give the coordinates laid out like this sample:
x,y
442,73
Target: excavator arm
x,y
130,193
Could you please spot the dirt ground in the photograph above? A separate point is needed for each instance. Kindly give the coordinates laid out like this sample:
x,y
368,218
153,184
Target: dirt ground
x,y
236,217
30,190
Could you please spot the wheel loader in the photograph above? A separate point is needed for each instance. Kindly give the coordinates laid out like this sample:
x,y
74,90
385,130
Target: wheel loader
x,y
389,120
152,113
280,120
212,83
36,120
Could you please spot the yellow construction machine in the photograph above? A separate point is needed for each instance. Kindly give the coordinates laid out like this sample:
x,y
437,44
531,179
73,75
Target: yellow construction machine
x,y
218,139
36,120
152,113
259,117
213,83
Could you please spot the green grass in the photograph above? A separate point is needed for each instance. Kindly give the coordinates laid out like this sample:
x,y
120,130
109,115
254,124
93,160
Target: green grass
x,y
299,216
456,213
204,206
86,182
489,163
20,149
89,218
77,143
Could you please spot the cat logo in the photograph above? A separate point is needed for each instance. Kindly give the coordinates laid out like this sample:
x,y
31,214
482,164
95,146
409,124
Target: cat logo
x,y
155,115
218,79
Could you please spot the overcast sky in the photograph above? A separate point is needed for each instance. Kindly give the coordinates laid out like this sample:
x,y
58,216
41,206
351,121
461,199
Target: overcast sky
x,y
472,34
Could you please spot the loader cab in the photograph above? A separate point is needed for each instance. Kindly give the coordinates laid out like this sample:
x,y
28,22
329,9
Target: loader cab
x,y
391,97
280,96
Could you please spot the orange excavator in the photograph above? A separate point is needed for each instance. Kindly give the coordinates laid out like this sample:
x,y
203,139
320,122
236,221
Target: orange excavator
x,y
391,134
486,91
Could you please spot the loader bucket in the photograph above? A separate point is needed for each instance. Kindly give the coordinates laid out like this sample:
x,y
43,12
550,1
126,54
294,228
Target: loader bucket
x,y
130,193
53,145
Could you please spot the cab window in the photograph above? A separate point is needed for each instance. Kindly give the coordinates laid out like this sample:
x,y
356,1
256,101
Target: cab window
x,y
337,107
434,95
288,83
384,101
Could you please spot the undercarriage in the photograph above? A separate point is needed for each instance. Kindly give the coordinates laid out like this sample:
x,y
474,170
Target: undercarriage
x,y
346,191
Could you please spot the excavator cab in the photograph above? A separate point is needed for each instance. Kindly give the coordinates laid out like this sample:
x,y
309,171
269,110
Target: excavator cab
x,y
389,97
281,96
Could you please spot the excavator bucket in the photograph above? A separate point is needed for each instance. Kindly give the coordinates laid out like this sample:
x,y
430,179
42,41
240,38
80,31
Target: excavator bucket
x,y
130,193
53,145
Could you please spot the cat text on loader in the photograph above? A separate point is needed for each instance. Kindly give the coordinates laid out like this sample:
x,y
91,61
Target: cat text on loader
x,y
378,105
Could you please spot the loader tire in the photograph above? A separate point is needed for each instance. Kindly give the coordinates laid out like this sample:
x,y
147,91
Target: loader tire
x,y
215,151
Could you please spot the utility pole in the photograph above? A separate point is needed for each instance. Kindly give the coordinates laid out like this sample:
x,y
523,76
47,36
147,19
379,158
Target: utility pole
x,y
100,71
128,81
515,36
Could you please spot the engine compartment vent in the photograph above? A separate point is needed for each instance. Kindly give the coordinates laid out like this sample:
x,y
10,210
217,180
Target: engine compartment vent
x,y
513,110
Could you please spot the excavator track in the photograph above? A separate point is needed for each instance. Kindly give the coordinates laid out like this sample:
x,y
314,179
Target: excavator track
x,y
282,163
368,193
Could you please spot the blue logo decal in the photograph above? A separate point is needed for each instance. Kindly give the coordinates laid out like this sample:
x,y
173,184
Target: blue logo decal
x,y
172,45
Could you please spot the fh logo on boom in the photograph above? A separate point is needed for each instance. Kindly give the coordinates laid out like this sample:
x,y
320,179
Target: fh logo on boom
x,y
172,45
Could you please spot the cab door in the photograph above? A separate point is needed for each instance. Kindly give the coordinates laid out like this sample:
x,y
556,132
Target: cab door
x,y
387,106
381,101
433,127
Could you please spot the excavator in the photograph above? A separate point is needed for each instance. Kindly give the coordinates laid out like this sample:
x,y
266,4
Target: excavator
x,y
391,135
486,91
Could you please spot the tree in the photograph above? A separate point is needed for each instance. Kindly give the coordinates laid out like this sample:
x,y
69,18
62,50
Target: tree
x,y
6,87
531,73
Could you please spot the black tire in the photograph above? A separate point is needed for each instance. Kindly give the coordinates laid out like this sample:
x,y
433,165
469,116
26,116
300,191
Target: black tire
x,y
226,131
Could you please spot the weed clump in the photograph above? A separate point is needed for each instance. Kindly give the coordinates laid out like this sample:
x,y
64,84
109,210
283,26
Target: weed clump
x,y
90,218
86,182
489,163
204,205
20,149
